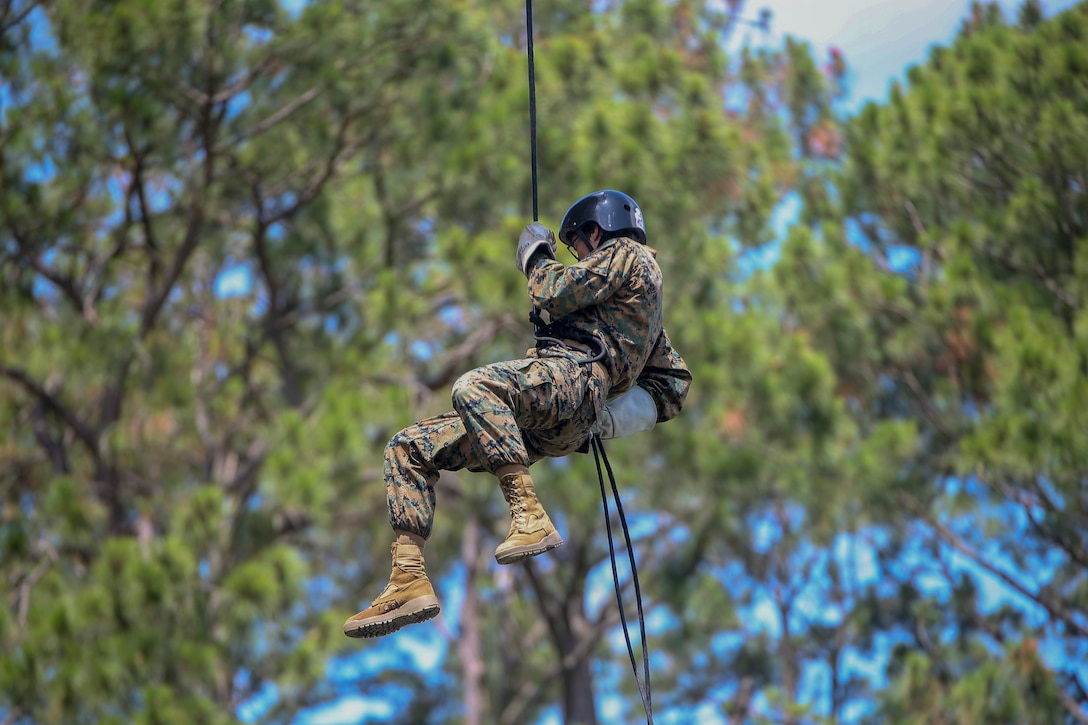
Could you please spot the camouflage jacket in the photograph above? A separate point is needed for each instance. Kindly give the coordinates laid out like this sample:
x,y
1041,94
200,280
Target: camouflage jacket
x,y
615,293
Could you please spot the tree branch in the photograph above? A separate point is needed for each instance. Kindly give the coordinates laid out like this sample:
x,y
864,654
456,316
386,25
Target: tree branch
x,y
456,358
931,412
54,404
1076,552
949,537
606,619
282,113
341,150
66,285
145,212
1038,271
1073,707
9,24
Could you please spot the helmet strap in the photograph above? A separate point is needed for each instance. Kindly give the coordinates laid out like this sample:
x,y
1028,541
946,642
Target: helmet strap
x,y
580,233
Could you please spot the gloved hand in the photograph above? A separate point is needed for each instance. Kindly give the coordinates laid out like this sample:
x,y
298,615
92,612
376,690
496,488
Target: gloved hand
x,y
632,412
535,238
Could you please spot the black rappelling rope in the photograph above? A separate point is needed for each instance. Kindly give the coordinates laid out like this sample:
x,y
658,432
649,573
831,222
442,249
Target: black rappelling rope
x,y
598,446
644,691
532,101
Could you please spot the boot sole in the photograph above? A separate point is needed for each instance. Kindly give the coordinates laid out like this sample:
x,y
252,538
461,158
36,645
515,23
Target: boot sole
x,y
413,612
517,553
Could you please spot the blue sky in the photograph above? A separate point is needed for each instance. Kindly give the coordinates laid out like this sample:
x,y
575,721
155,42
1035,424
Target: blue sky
x,y
879,38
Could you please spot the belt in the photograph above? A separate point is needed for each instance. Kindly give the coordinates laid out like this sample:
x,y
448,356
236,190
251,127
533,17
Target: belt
x,y
574,345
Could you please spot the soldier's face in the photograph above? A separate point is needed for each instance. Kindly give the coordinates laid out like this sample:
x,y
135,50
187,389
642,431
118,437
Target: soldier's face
x,y
581,249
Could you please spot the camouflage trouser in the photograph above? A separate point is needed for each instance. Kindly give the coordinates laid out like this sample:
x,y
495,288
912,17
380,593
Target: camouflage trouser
x,y
514,412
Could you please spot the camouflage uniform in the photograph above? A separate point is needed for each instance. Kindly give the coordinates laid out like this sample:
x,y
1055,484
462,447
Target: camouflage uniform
x,y
544,405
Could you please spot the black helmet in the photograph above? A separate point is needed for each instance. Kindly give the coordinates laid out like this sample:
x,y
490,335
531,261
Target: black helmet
x,y
613,211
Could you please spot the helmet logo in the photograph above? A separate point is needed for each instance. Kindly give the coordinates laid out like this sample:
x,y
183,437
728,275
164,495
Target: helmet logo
x,y
638,219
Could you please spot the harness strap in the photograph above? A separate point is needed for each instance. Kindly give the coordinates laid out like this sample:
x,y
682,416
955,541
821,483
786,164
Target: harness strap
x,y
558,333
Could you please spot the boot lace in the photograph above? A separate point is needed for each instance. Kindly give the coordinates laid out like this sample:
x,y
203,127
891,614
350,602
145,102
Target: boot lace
x,y
519,510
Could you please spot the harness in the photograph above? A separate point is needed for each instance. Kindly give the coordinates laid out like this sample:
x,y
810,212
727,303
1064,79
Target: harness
x,y
562,334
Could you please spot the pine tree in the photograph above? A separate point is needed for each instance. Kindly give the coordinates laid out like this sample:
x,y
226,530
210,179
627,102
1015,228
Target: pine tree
x,y
944,289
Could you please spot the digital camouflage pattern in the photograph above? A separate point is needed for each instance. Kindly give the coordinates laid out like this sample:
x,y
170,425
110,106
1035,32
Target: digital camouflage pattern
x,y
543,405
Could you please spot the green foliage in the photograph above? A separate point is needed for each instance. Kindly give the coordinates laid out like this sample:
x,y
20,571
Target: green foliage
x,y
241,247
971,173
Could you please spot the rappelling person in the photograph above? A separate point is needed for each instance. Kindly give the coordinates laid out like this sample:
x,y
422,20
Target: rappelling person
x,y
603,366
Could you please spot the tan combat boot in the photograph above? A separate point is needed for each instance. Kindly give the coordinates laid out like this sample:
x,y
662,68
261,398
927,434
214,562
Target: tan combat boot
x,y
409,598
531,531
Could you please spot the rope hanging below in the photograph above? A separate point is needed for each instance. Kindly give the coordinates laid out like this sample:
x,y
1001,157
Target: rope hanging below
x,y
643,689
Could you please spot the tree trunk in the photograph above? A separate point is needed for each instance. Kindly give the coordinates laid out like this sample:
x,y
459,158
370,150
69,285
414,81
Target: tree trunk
x,y
469,644
579,704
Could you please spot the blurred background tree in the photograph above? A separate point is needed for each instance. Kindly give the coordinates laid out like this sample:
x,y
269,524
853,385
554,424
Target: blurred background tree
x,y
940,271
241,246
